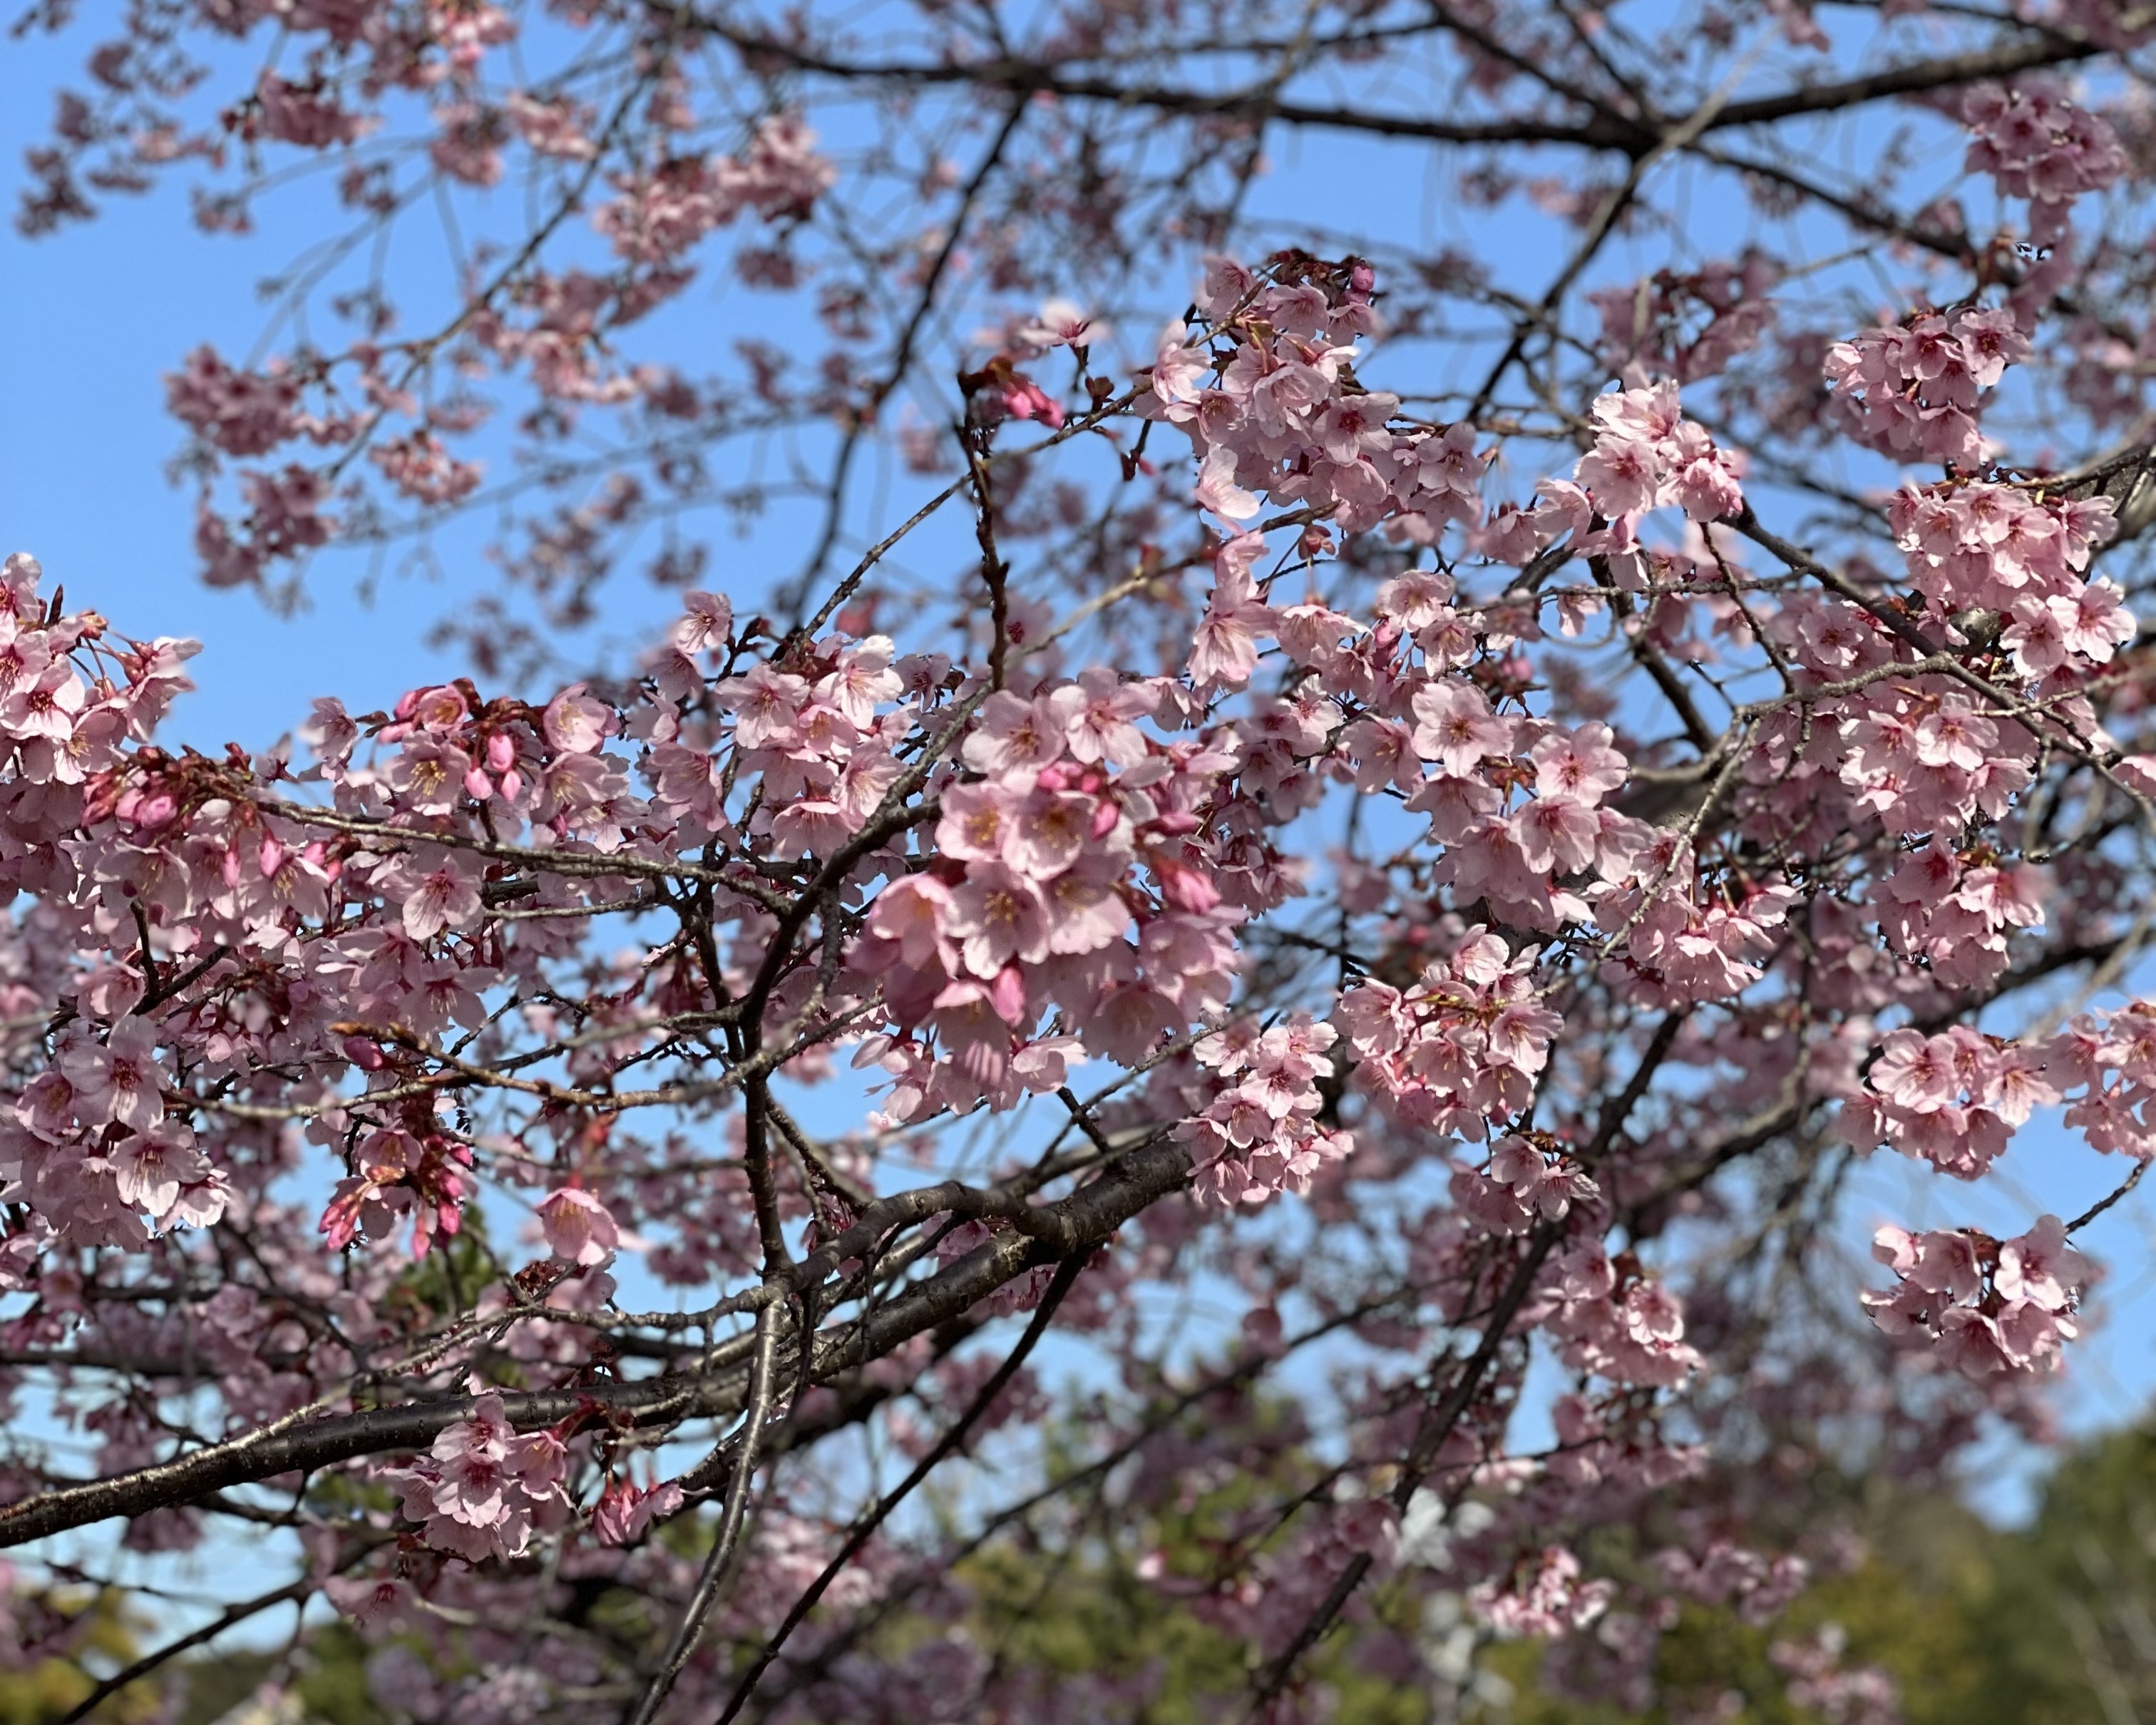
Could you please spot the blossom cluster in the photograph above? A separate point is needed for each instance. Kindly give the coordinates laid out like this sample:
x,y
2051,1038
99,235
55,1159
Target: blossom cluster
x,y
1912,388
1954,1098
1822,1678
1757,1587
1985,1307
1459,1052
426,1176
624,1509
1610,1318
1951,1099
1686,940
1520,1185
1260,1134
1541,863
2036,144
88,1144
657,216
483,1489
1646,455
1417,480
1544,1595
2021,555
1073,874
2113,1058
1955,910
2003,571
1283,419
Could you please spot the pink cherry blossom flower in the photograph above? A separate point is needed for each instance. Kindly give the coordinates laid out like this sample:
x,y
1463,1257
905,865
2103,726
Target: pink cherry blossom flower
x,y
624,1510
117,1079
996,916
1581,765
1456,729
578,1227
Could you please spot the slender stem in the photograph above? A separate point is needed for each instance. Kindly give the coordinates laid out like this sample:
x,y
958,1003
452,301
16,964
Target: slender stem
x,y
864,1529
719,1562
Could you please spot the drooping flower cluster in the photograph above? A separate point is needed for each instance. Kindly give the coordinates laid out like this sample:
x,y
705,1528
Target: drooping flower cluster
x,y
1260,1134
1646,455
658,217
1912,390
1757,1587
88,1145
1543,863
1955,911
1612,1319
240,412
1952,1100
2021,555
1986,1306
2114,1058
1076,874
1686,940
1520,1185
1544,1595
2037,144
1459,1052
1283,419
399,1173
1822,1679
484,1489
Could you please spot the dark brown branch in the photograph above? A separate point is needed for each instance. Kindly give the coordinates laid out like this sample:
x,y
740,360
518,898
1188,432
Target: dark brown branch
x,y
1084,1220
719,1561
1602,130
1440,1419
864,1529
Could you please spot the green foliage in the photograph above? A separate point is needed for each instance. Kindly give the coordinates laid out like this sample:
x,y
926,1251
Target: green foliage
x,y
2066,1618
445,1281
102,1637
1976,1626
2052,1625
